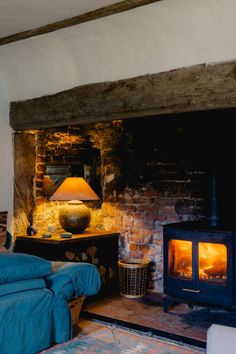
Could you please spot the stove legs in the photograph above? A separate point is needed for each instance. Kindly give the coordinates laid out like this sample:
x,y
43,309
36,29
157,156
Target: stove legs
x,y
167,302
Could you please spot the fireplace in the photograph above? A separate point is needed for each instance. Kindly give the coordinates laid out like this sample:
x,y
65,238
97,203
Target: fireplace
x,y
148,172
199,264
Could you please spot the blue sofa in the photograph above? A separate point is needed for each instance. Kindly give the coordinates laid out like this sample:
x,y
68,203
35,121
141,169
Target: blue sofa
x,y
34,312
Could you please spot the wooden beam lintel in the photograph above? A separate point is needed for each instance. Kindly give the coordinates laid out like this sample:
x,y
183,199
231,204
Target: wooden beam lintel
x,y
199,87
93,15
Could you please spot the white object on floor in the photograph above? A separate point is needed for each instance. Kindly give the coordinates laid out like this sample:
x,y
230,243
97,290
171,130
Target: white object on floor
x,y
221,340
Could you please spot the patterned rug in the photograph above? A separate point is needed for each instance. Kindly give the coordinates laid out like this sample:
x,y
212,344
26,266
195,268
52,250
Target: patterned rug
x,y
107,339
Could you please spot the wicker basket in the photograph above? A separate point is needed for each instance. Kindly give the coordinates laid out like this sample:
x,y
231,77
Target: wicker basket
x,y
132,277
75,306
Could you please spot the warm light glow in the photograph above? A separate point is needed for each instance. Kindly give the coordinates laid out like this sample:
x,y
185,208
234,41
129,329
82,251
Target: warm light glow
x,y
212,262
180,258
74,188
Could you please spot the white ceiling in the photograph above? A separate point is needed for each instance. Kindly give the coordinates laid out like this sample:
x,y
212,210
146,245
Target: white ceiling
x,y
22,15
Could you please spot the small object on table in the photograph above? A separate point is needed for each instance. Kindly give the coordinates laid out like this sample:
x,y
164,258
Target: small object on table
x,y
66,235
47,235
52,228
31,230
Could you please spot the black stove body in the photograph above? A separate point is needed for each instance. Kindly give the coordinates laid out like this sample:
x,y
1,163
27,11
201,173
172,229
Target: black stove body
x,y
199,264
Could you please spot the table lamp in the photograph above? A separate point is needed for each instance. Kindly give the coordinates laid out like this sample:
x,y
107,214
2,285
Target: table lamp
x,y
74,216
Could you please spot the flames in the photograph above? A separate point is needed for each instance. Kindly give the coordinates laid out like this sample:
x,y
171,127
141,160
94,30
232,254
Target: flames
x,y
212,260
180,256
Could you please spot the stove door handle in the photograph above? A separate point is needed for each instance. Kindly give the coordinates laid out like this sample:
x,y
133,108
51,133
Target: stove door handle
x,y
191,290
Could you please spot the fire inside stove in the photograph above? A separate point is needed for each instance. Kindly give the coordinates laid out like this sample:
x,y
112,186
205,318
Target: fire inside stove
x,y
212,261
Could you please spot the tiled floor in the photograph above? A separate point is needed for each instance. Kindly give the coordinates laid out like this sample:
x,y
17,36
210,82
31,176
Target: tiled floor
x,y
180,323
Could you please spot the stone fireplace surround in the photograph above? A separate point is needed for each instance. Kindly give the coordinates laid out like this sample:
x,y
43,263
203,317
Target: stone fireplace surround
x,y
148,172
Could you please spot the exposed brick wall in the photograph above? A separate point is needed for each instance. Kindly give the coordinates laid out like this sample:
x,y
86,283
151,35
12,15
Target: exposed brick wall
x,y
143,188
151,172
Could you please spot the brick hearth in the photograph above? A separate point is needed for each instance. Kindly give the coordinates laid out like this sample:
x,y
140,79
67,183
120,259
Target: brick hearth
x,y
181,323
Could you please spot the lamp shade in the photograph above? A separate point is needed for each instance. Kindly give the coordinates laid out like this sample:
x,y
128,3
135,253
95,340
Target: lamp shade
x,y
75,216
74,188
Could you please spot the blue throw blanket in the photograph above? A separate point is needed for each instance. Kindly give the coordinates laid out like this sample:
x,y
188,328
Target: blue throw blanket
x,y
79,278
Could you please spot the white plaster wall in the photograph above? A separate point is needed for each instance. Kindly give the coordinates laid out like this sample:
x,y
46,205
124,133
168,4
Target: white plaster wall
x,y
149,39
6,158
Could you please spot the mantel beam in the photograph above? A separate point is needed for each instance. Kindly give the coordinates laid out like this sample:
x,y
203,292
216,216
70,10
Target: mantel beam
x,y
200,87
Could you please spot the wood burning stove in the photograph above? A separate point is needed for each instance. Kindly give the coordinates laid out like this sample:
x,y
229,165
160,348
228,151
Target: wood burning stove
x,y
199,264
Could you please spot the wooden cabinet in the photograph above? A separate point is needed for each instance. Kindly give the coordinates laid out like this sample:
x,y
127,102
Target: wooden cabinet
x,y
97,247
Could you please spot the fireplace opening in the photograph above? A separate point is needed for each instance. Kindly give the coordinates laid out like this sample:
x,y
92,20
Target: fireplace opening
x,y
148,171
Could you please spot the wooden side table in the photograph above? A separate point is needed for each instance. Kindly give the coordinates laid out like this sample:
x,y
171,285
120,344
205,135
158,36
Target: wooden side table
x,y
96,246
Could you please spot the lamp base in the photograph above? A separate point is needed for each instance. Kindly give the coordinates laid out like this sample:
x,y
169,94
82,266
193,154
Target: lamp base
x,y
74,216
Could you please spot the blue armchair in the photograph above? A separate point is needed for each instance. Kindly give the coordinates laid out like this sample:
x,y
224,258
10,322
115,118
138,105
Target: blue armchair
x,y
34,298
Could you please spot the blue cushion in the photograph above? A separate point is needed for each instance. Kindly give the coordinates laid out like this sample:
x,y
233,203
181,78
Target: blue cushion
x,y
20,266
22,285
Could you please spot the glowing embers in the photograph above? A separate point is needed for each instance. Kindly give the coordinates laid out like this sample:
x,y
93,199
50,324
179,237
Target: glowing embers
x,y
212,259
180,259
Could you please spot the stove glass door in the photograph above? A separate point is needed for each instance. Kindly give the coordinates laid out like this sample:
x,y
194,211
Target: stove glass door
x,y
180,259
212,261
